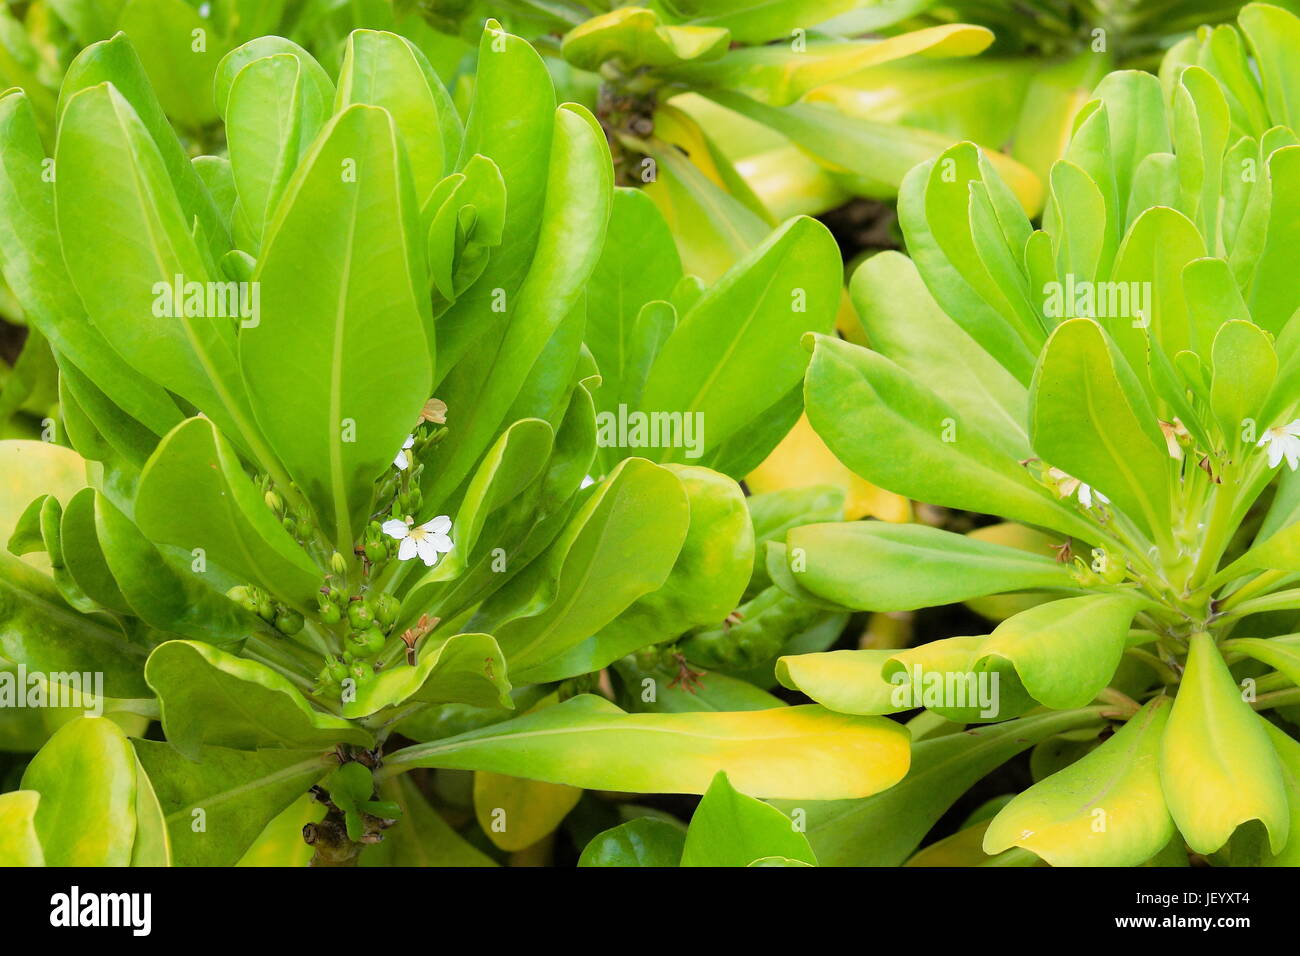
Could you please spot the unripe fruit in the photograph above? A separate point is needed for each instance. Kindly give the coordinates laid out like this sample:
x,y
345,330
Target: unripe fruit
x,y
360,615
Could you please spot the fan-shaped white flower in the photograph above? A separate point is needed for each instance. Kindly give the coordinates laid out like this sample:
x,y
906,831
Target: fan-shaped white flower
x,y
1283,441
427,540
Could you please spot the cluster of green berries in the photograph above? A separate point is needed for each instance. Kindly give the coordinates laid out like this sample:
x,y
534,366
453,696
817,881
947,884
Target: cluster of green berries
x,y
285,619
370,620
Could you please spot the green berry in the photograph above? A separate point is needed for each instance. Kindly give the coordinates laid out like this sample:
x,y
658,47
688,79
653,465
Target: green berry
x,y
360,615
288,621
367,643
361,671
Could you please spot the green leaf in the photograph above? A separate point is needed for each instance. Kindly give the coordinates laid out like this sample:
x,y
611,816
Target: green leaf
x,y
342,291
891,429
158,593
111,171
115,61
207,696
1089,419
511,121
1245,367
757,22
167,34
705,584
737,350
1218,768
268,125
880,566
19,842
638,265
1065,651
1280,653
83,555
732,829
588,742
1105,809
40,630
387,70
634,37
194,493
466,669
216,808
643,841
32,262
619,546
778,75
572,226
904,323
85,775
153,846
883,830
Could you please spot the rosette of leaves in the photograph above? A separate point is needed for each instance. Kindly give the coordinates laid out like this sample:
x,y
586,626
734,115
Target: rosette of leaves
x,y
355,488
1139,453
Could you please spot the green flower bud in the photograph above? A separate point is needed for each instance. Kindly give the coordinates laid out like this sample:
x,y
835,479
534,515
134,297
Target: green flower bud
x,y
244,596
274,502
337,668
361,671
290,525
376,552
360,616
288,621
387,608
366,644
338,564
330,614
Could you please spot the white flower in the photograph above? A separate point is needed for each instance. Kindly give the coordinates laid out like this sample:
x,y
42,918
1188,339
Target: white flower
x,y
402,461
1067,485
1283,441
427,540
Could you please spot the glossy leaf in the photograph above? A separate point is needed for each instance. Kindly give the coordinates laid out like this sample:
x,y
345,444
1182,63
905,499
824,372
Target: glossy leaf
x,y
732,829
1218,768
1106,809
209,697
588,742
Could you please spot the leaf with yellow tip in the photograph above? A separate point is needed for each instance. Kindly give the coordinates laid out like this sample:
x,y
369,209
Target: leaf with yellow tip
x,y
805,752
1218,767
19,844
1106,809
515,813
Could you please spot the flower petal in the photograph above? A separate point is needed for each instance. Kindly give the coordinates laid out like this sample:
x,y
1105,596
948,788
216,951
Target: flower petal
x,y
438,525
440,541
407,549
395,528
428,553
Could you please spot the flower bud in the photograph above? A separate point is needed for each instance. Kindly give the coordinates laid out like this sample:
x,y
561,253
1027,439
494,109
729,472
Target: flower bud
x,y
338,564
360,615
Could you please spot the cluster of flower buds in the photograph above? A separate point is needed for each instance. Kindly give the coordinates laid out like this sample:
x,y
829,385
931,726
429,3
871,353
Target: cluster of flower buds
x,y
298,522
255,600
375,547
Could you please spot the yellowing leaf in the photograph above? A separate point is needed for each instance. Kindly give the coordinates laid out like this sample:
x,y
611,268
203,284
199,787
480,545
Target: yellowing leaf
x,y
516,813
802,459
1217,766
1106,809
